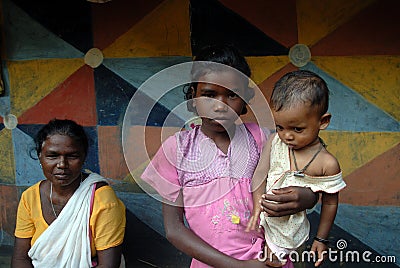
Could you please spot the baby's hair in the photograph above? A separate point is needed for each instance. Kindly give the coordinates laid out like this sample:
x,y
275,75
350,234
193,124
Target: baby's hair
x,y
64,127
224,54
300,87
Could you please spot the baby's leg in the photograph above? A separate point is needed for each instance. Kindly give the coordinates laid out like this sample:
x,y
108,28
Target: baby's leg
x,y
271,259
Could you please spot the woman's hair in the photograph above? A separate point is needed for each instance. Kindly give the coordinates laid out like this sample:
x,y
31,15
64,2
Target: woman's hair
x,y
62,127
224,54
300,87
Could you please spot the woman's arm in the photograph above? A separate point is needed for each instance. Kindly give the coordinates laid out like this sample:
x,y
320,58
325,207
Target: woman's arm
x,y
110,257
288,201
20,258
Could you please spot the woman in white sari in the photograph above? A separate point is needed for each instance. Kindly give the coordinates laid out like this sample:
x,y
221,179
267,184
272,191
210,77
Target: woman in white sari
x,y
71,219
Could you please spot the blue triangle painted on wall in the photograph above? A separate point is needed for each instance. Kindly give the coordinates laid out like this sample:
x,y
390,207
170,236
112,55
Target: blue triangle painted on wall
x,y
351,111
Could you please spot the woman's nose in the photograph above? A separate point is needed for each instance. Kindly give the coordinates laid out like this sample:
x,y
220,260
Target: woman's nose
x,y
62,163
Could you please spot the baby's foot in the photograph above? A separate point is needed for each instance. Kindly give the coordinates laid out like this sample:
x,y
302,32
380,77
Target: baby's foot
x,y
271,259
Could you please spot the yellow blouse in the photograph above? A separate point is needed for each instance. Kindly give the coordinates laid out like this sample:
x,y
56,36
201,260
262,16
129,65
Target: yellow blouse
x,y
107,221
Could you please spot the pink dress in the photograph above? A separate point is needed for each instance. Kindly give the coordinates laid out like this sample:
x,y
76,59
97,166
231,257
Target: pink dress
x,y
216,187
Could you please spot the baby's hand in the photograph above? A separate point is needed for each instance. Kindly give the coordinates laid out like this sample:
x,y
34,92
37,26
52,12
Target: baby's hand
x,y
321,249
254,219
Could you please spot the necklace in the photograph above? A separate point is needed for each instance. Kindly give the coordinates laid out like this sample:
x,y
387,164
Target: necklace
x,y
300,173
51,197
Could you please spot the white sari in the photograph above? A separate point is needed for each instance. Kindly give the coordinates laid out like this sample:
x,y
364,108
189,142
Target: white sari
x,y
66,242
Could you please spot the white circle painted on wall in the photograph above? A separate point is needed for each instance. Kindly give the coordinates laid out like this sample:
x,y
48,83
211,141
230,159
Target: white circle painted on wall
x,y
299,55
10,121
94,57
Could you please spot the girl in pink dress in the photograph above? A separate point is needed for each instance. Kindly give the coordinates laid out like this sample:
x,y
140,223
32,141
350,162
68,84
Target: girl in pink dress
x,y
204,174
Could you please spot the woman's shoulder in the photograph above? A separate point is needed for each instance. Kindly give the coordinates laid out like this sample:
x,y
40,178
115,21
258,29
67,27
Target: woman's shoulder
x,y
33,190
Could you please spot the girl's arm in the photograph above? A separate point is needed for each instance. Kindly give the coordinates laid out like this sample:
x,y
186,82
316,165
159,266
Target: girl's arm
x,y
328,213
20,256
189,243
258,184
288,201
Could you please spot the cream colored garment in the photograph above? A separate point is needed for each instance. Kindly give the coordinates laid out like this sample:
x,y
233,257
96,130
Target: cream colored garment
x,y
65,243
292,231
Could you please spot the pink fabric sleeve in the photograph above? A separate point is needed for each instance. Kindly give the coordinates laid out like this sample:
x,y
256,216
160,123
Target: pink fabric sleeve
x,y
161,173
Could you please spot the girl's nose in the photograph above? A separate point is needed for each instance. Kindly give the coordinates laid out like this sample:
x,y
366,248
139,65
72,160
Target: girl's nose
x,y
220,105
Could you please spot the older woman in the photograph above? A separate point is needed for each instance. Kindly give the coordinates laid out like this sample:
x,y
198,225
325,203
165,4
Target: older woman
x,y
71,219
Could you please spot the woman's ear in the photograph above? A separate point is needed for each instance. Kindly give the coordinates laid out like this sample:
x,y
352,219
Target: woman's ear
x,y
324,121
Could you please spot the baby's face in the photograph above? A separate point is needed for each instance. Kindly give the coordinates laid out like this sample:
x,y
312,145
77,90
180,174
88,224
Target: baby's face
x,y
298,126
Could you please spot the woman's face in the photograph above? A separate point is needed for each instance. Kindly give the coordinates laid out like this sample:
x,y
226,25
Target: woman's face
x,y
62,158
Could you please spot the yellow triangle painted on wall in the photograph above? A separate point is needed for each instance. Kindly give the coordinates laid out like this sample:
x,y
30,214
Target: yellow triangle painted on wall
x,y
264,67
7,166
376,78
316,19
163,32
355,149
30,81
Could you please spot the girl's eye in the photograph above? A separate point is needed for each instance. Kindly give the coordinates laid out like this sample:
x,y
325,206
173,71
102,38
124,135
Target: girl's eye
x,y
208,95
233,96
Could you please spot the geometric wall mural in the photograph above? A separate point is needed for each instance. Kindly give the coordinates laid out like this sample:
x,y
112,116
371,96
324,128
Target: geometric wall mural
x,y
84,61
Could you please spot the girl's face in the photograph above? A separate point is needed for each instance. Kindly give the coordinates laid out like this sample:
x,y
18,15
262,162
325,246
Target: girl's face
x,y
62,158
299,126
219,106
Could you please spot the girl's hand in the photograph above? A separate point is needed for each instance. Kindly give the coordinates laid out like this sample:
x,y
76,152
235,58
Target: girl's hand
x,y
253,263
288,201
254,219
321,250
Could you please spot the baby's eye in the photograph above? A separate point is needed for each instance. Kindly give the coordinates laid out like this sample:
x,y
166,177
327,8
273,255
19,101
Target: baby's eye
x,y
298,129
278,128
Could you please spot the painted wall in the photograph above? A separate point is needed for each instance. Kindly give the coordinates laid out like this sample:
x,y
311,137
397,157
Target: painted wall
x,y
50,70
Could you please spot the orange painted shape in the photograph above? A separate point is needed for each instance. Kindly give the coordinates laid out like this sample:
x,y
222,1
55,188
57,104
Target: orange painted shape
x,y
376,183
32,80
74,99
163,32
277,19
317,19
116,17
111,158
374,31
264,67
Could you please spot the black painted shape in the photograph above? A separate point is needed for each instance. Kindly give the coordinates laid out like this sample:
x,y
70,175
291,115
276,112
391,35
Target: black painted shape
x,y
1,126
213,23
113,95
144,246
353,245
70,20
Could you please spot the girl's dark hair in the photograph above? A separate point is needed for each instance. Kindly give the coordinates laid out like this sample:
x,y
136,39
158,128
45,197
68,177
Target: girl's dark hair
x,y
300,86
224,54
64,127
